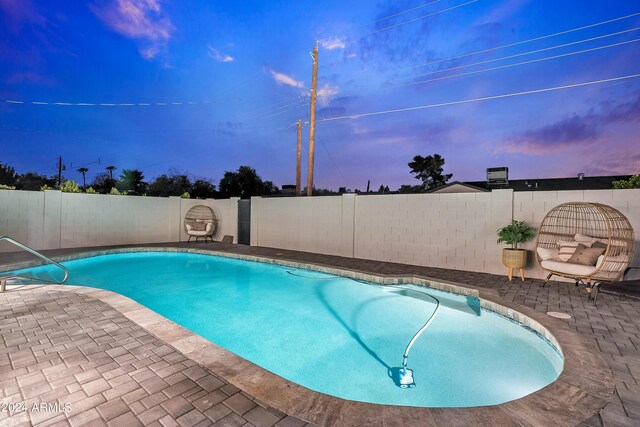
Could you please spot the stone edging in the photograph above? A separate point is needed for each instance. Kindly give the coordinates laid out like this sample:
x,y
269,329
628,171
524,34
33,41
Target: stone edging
x,y
584,386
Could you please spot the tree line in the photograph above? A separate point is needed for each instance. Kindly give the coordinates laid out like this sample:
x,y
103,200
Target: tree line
x,y
243,183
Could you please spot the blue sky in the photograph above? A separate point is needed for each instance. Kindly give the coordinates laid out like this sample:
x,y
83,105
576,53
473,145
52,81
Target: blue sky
x,y
246,68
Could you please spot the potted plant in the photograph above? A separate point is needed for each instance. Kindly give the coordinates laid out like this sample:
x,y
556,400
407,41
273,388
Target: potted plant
x,y
513,234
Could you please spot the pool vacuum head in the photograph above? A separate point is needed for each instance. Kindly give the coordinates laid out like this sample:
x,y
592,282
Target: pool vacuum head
x,y
405,379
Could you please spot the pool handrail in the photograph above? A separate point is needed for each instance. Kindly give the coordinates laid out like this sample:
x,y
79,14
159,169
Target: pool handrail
x,y
39,255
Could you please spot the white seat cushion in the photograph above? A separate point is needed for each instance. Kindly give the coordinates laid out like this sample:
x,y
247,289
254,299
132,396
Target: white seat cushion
x,y
197,233
568,268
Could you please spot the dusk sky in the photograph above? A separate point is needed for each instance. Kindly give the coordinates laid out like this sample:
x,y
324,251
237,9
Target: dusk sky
x,y
231,77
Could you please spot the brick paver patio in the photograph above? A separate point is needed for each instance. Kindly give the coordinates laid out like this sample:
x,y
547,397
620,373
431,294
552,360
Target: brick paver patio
x,y
103,369
71,348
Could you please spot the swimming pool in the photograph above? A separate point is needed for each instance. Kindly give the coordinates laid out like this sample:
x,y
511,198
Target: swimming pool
x,y
334,335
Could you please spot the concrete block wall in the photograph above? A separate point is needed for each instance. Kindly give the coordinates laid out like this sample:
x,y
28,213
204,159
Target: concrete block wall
x,y
21,217
439,230
51,219
98,220
311,224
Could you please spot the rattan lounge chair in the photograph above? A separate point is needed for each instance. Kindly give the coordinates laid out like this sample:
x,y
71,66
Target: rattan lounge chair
x,y
200,221
586,224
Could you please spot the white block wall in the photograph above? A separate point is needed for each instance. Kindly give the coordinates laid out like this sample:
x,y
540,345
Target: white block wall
x,y
51,219
21,216
313,224
439,230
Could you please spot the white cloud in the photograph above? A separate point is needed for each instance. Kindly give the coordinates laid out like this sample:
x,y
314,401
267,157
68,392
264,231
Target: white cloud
x,y
149,52
284,79
325,93
220,57
333,43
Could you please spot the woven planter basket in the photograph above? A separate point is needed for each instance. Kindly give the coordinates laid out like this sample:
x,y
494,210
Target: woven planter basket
x,y
514,258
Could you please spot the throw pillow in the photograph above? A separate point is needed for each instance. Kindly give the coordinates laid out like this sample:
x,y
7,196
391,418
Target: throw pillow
x,y
585,256
199,226
599,244
584,239
567,249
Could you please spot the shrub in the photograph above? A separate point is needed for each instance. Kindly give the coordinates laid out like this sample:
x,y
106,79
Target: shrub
x,y
70,187
515,233
114,192
633,182
185,195
45,188
90,190
6,187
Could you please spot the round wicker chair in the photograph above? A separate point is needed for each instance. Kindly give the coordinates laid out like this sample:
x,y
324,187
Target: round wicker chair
x,y
200,221
600,222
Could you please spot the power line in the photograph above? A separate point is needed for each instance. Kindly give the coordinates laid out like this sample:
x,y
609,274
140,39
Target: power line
x,y
279,110
516,43
335,165
531,52
405,11
143,130
421,17
89,104
486,98
517,64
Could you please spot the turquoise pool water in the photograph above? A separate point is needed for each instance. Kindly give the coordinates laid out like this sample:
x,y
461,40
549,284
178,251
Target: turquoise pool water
x,y
333,335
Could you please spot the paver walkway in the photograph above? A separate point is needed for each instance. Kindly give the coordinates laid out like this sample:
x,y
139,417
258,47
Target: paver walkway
x,y
96,367
63,325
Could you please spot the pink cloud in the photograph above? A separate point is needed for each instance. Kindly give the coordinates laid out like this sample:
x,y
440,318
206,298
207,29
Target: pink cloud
x,y
142,20
20,12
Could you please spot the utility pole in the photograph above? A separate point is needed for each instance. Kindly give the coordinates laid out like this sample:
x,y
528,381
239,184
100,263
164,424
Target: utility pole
x,y
312,118
298,165
59,172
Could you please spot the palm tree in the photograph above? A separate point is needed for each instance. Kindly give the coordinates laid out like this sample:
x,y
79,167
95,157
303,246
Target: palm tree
x,y
131,181
83,171
111,169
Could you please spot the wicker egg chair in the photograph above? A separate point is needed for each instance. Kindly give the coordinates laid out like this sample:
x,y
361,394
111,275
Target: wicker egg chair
x,y
601,222
200,221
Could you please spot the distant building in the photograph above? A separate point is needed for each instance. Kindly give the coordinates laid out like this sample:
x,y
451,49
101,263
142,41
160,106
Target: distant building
x,y
580,182
458,187
289,190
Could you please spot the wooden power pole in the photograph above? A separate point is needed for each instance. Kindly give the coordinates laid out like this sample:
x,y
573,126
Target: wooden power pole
x,y
312,118
59,172
299,154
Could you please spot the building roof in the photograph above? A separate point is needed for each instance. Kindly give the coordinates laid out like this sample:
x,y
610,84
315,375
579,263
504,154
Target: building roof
x,y
458,187
554,184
